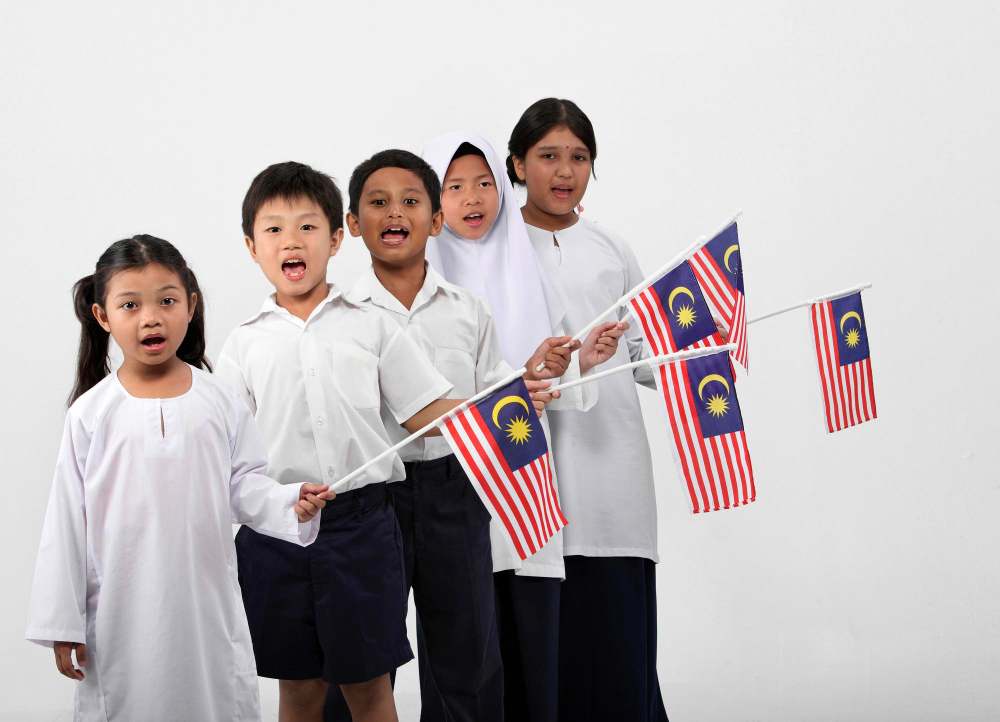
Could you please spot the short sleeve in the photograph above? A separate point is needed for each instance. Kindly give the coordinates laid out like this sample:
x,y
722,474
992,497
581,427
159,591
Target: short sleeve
x,y
407,379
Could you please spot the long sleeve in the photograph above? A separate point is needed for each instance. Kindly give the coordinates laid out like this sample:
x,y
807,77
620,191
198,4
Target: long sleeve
x,y
636,345
58,611
257,500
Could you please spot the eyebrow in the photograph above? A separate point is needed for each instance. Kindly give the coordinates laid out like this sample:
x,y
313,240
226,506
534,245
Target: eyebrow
x,y
276,217
454,178
376,191
560,147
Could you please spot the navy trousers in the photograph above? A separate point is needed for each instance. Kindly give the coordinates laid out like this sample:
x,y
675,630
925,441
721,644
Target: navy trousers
x,y
449,566
607,641
528,619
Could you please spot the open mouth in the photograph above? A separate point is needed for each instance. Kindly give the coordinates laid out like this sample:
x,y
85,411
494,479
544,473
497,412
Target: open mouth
x,y
395,235
562,192
474,219
154,343
294,269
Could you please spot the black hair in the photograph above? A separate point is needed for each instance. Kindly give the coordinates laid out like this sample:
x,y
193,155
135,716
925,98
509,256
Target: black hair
x,y
468,149
135,252
291,180
394,158
541,117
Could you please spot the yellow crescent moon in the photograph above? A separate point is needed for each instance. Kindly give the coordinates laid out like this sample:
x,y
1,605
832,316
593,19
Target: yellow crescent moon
x,y
709,378
849,314
498,406
673,295
730,251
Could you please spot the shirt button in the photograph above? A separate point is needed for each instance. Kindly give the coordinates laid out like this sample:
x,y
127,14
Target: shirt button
x,y
312,372
329,471
319,420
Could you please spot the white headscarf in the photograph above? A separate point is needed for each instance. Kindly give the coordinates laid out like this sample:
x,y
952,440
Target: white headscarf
x,y
501,267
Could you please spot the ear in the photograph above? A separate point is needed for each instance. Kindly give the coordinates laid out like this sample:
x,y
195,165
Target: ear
x,y
252,247
101,316
192,305
518,167
353,225
437,223
335,241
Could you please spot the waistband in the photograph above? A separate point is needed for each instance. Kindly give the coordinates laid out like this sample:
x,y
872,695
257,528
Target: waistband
x,y
356,500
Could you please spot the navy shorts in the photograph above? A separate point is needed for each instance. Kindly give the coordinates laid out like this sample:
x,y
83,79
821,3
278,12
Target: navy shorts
x,y
336,609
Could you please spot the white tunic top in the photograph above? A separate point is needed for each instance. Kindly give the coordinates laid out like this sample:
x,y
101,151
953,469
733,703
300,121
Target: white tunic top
x,y
137,558
602,455
316,387
456,330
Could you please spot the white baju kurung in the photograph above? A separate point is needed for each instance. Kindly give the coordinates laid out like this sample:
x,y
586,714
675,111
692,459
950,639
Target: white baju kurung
x,y
137,558
602,455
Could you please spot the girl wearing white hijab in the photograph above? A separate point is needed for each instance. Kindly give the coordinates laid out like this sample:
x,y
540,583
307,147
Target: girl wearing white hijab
x,y
485,248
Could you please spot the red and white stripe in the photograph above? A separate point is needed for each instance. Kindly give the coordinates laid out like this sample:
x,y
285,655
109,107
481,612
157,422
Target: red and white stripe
x,y
524,501
848,391
724,300
717,470
648,309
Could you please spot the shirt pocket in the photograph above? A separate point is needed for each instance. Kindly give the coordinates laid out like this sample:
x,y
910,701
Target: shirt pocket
x,y
459,367
355,375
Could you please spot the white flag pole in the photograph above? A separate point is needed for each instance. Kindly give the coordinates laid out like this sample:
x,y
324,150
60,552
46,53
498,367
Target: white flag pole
x,y
651,361
811,301
429,427
675,261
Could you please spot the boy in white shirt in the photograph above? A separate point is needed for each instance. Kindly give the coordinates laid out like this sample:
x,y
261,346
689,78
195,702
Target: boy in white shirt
x,y
395,206
316,369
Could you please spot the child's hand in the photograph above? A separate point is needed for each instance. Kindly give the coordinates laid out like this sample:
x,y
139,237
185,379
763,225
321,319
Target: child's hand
x,y
312,498
601,344
551,359
722,330
64,658
539,396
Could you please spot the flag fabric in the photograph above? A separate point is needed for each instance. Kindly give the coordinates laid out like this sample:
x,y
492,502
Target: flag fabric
x,y
845,364
719,268
707,430
673,314
500,443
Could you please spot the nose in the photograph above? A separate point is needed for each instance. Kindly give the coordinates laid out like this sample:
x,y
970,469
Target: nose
x,y
472,198
395,210
151,317
564,170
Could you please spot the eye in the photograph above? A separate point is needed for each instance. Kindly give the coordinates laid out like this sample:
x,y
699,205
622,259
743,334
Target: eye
x,y
548,156
307,227
129,305
411,201
581,158
378,202
486,184
272,229
454,187
168,301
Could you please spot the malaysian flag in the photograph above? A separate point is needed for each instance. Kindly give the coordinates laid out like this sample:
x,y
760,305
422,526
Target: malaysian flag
x,y
845,364
707,430
501,445
673,313
719,268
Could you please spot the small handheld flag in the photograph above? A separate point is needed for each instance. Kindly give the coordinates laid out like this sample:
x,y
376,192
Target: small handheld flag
x,y
707,430
718,265
673,314
844,358
500,443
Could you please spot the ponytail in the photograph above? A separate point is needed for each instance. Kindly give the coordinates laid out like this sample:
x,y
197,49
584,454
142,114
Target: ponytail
x,y
192,348
92,357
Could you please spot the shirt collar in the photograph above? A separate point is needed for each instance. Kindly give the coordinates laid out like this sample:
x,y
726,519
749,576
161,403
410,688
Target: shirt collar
x,y
270,305
369,288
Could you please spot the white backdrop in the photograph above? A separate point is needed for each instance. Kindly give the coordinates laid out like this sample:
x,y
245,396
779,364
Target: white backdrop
x,y
860,139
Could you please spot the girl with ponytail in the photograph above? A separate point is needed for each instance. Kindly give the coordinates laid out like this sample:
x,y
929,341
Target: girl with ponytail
x,y
136,572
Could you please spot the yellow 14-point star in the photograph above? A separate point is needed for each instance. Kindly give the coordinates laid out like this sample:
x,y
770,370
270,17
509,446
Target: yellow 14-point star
x,y
717,405
518,430
686,316
853,338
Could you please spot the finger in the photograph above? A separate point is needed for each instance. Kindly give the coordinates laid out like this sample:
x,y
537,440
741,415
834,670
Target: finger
x,y
316,501
328,495
81,655
304,508
558,341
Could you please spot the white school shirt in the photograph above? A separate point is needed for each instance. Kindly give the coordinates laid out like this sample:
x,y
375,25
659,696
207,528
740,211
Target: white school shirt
x,y
602,455
456,330
316,387
137,558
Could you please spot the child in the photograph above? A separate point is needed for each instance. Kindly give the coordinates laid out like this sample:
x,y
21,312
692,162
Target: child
x,y
607,670
135,571
484,246
395,202
315,368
